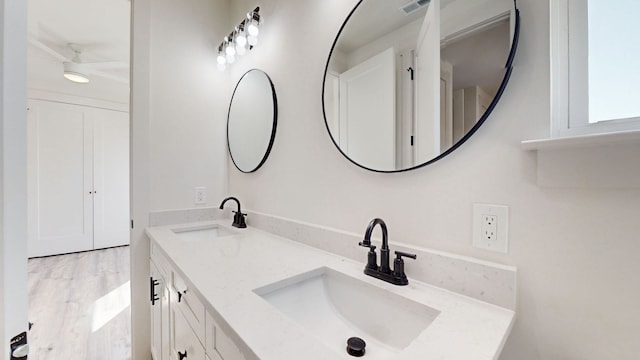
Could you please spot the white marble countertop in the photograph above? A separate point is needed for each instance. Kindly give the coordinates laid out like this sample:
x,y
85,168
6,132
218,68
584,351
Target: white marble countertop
x,y
226,270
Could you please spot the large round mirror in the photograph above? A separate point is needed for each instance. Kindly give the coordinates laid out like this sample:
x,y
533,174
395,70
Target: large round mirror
x,y
251,124
407,82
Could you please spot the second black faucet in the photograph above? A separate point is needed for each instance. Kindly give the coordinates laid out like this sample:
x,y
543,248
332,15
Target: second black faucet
x,y
383,272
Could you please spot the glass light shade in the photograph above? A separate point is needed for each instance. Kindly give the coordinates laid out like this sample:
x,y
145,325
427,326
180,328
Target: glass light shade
x,y
73,72
253,28
221,59
241,38
78,78
252,40
231,58
230,49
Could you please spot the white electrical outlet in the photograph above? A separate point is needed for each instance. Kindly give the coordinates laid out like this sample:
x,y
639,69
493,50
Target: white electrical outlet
x,y
490,227
200,195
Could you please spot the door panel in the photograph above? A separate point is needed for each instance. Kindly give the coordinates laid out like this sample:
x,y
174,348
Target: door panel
x,y
368,128
78,178
183,338
61,198
111,178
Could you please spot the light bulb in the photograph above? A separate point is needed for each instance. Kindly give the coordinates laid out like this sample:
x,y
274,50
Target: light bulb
x,y
252,40
241,42
253,22
241,39
221,59
230,49
253,29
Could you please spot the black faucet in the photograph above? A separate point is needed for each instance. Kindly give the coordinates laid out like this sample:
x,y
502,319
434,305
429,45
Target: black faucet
x,y
383,272
238,218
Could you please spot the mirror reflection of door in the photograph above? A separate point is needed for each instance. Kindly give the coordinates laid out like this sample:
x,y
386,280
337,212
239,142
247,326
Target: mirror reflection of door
x,y
367,128
448,58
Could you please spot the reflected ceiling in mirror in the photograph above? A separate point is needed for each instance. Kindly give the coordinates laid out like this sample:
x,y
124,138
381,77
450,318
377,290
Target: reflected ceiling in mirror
x,y
407,82
252,119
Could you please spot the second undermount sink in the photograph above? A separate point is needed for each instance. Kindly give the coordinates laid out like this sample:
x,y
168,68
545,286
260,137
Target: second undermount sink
x,y
209,232
334,306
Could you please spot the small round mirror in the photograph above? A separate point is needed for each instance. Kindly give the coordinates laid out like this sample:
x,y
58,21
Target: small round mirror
x,y
408,81
252,119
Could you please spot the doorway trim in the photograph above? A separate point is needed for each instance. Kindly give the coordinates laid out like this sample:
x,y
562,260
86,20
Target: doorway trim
x,y
13,171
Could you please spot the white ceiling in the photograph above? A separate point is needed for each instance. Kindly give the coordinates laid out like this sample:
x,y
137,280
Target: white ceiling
x,y
373,19
478,59
99,27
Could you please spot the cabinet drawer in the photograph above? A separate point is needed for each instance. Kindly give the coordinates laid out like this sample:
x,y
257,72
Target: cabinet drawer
x,y
219,344
188,303
184,342
161,261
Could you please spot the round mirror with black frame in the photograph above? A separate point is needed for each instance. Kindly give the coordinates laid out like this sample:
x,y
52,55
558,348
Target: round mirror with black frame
x,y
252,120
409,81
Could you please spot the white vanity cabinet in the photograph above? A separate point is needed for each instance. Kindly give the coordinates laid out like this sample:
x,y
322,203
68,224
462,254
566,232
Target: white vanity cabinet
x,y
181,328
159,297
187,301
218,343
187,321
185,344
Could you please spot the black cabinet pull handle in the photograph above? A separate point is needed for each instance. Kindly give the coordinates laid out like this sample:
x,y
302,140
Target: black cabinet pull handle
x,y
153,297
181,355
181,294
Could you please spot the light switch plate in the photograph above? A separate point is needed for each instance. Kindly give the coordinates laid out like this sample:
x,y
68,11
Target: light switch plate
x,y
491,227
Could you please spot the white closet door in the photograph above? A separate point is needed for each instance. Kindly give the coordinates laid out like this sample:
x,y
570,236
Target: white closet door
x,y
111,178
60,191
367,127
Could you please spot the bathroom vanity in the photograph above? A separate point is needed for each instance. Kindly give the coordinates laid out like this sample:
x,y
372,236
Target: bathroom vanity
x,y
219,292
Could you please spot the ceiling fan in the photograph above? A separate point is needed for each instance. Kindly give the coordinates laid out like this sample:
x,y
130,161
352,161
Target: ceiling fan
x,y
75,69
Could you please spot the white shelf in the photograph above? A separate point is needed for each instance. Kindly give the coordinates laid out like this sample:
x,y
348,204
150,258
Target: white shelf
x,y
582,141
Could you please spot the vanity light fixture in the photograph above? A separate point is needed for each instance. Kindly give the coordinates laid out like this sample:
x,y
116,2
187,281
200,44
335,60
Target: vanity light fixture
x,y
242,39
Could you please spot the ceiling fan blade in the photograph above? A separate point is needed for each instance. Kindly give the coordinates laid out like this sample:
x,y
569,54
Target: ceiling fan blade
x,y
48,49
105,75
106,65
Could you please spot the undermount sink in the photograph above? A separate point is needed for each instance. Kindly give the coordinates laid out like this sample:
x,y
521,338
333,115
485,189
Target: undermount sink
x,y
334,306
202,233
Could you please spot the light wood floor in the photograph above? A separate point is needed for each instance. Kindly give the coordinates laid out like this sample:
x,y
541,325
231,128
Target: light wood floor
x,y
79,305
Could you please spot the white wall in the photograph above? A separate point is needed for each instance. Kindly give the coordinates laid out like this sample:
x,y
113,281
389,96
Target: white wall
x,y
189,100
178,124
13,172
576,249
